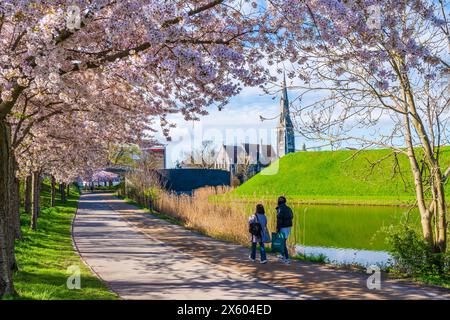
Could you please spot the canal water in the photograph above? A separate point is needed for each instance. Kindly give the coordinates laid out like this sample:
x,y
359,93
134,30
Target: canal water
x,y
348,256
345,234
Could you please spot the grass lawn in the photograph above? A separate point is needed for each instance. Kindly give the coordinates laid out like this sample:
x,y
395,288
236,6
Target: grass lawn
x,y
338,199
336,177
44,256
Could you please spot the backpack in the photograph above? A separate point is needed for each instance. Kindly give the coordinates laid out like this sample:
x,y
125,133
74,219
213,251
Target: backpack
x,y
255,227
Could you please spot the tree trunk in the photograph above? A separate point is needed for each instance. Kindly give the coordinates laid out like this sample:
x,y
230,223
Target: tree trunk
x,y
439,243
68,190
14,212
425,214
62,191
15,200
28,187
6,279
35,196
53,192
441,240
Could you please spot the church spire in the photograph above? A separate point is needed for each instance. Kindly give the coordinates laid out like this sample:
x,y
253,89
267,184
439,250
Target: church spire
x,y
286,140
285,117
285,98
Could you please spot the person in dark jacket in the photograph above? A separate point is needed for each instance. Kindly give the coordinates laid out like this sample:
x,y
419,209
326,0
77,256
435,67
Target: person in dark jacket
x,y
284,225
259,217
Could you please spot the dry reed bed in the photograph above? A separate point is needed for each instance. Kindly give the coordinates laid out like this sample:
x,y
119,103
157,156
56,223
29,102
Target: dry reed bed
x,y
209,217
202,211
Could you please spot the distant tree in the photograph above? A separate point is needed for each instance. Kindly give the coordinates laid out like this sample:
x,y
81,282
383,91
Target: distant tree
x,y
245,168
202,157
123,155
142,181
235,182
178,165
304,147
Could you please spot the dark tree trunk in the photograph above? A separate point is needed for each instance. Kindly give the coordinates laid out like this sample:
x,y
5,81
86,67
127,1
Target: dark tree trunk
x,y
68,190
15,201
15,212
62,192
35,195
53,192
28,187
6,232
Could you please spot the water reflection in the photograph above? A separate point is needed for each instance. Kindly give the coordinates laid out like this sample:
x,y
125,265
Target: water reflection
x,y
348,256
339,226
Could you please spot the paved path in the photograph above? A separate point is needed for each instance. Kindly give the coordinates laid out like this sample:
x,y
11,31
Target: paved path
x,y
142,257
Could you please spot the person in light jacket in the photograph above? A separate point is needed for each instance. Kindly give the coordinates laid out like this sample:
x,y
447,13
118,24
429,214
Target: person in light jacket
x,y
259,216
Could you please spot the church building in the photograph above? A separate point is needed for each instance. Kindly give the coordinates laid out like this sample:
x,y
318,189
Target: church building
x,y
233,157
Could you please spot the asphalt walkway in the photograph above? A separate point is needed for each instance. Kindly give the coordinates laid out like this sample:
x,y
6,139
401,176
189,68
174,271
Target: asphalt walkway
x,y
140,256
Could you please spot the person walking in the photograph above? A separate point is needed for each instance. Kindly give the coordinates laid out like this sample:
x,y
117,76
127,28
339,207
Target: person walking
x,y
259,233
284,225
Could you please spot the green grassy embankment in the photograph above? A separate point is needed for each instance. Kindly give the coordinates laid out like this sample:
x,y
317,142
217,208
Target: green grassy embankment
x,y
43,256
336,177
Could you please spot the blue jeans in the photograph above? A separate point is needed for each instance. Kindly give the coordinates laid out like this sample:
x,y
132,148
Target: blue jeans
x,y
286,232
261,249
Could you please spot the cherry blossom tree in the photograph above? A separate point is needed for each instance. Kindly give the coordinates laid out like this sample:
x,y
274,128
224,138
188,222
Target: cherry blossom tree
x,y
71,145
149,56
380,70
104,176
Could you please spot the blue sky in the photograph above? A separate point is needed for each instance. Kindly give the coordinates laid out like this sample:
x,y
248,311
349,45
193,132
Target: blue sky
x,y
238,122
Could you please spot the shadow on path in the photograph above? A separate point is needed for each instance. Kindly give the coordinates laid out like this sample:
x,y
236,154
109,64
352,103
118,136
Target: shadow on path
x,y
142,256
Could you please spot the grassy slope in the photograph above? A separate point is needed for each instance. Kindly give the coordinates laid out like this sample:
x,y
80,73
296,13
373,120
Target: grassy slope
x,y
44,256
335,177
